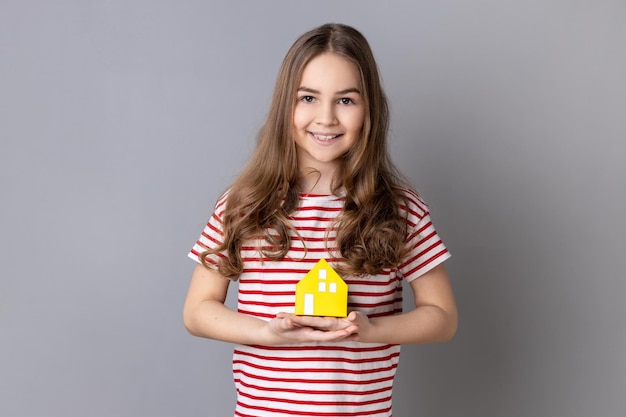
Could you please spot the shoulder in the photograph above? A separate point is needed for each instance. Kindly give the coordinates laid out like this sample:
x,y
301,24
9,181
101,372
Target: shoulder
x,y
220,204
219,209
414,207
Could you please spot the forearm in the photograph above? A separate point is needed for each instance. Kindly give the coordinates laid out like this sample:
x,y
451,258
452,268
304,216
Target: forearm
x,y
425,324
205,315
213,320
434,318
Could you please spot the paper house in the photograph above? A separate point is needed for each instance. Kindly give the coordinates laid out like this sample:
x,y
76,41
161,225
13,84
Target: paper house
x,y
322,292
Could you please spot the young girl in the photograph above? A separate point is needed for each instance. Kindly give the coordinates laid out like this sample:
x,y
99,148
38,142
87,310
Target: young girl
x,y
320,185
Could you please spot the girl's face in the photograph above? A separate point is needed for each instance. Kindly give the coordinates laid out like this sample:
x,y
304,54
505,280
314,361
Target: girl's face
x,y
329,113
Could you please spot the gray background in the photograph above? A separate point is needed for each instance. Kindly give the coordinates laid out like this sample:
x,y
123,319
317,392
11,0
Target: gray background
x,y
122,121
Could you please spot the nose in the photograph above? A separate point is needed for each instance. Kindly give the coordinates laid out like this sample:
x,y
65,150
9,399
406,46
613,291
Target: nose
x,y
326,115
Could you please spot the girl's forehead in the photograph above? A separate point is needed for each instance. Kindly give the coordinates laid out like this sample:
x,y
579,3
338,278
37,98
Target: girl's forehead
x,y
330,69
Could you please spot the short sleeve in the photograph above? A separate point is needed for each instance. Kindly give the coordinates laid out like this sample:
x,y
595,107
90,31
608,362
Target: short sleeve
x,y
425,248
211,237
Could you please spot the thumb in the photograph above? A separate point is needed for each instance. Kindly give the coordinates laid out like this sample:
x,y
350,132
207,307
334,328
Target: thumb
x,y
353,316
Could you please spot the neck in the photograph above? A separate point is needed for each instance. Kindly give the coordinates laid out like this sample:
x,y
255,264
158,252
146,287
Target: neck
x,y
315,182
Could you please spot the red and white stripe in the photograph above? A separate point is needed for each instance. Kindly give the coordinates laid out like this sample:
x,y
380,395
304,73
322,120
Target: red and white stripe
x,y
320,379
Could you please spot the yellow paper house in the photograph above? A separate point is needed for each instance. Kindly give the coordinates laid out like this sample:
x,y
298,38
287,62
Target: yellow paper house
x,y
322,292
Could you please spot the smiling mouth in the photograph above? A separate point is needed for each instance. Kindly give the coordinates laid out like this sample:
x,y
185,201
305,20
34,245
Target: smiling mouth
x,y
323,137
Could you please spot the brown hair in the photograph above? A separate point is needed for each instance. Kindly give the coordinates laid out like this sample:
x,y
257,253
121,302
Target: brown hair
x,y
372,230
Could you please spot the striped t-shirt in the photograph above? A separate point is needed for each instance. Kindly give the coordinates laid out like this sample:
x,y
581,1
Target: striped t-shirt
x,y
338,379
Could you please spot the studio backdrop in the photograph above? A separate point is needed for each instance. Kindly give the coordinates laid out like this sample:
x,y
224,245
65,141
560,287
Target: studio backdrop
x,y
121,122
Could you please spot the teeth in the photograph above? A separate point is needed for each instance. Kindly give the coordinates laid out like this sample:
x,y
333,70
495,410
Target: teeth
x,y
324,137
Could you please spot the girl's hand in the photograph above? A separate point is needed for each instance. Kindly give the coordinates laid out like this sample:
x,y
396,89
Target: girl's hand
x,y
317,329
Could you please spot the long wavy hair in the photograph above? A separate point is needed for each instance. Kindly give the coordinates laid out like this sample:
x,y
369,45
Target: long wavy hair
x,y
371,230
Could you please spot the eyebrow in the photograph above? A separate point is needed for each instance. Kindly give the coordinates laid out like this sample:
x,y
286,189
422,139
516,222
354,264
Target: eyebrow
x,y
346,91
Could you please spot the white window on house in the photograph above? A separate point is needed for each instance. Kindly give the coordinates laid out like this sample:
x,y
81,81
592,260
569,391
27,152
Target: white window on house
x,y
309,304
332,287
321,274
321,287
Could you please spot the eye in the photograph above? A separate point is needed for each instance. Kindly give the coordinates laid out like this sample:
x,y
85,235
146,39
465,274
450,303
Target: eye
x,y
307,99
346,100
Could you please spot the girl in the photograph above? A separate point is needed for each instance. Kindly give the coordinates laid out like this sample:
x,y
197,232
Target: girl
x,y
320,185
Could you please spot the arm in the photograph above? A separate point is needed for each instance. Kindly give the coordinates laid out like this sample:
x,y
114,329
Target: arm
x,y
434,318
205,315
